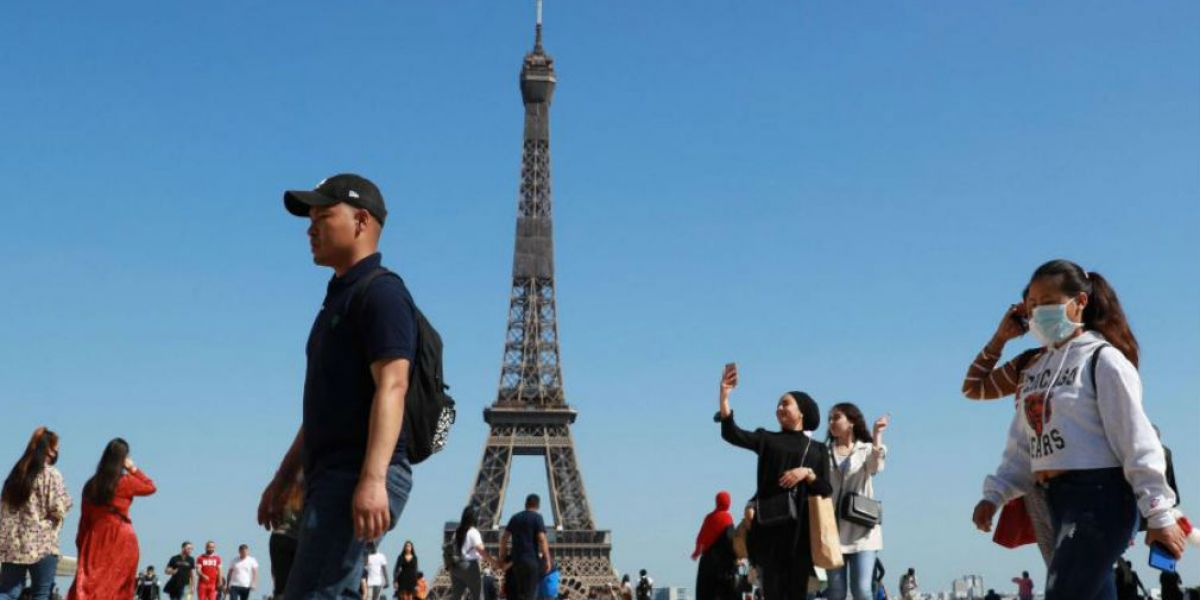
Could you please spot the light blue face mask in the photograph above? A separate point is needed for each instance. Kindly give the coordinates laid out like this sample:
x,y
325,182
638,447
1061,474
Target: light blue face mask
x,y
1050,323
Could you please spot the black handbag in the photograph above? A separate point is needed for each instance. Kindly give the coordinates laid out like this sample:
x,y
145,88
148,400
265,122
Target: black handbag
x,y
780,508
861,510
856,508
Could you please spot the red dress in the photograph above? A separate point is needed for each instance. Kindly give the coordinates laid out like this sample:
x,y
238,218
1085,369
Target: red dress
x,y
108,547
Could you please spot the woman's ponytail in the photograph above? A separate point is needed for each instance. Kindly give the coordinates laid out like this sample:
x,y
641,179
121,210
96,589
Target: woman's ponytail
x,y
1103,314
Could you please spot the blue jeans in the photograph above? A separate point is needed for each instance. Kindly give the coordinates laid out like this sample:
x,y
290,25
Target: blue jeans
x,y
41,574
858,570
1094,514
329,560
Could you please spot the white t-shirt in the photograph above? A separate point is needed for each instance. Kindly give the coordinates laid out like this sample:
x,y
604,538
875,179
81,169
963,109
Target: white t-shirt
x,y
242,572
471,543
376,569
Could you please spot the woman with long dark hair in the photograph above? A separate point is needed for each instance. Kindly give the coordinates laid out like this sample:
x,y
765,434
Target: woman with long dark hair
x,y
32,507
857,454
1080,433
467,575
791,468
406,572
108,546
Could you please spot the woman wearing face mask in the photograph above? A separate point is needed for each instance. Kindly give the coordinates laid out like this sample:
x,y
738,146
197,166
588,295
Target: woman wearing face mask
x,y
857,455
32,508
790,464
1080,433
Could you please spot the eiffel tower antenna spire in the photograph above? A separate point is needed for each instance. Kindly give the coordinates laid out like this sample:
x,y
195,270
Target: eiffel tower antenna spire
x,y
537,40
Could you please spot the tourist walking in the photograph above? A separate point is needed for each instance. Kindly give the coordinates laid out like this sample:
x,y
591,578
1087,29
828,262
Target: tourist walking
x,y
909,588
645,586
376,572
857,455
791,468
467,576
350,445
626,589
1081,433
530,553
33,504
243,575
405,577
716,574
208,571
422,586
107,544
1024,586
181,569
147,585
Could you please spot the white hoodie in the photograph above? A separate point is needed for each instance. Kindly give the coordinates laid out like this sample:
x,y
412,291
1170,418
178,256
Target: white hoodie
x,y
1082,427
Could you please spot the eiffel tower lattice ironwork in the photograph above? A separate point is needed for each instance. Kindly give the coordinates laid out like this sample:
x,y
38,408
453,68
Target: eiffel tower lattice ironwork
x,y
530,416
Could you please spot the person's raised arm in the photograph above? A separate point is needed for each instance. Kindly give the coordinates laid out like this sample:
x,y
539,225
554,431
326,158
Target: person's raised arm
x,y
876,461
274,497
370,504
985,382
730,432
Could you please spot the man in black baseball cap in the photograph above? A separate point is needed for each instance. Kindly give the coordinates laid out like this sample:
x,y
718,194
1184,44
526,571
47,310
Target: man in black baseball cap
x,y
350,446
347,187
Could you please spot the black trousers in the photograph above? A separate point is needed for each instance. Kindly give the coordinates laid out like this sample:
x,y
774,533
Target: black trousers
x,y
283,553
523,580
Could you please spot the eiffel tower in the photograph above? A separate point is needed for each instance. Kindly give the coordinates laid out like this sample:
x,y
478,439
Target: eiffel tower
x,y
531,416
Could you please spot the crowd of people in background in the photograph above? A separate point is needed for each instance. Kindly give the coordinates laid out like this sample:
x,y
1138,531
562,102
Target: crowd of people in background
x,y
1082,460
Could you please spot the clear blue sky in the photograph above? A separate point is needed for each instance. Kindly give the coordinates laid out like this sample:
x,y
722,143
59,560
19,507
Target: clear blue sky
x,y
842,198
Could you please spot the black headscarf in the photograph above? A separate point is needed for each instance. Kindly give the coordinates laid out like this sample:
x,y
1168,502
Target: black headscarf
x,y
809,410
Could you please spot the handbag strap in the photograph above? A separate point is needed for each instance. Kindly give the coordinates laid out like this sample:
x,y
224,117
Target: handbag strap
x,y
803,457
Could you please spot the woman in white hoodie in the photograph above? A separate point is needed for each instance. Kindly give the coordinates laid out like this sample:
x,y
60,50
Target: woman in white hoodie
x,y
856,456
1081,434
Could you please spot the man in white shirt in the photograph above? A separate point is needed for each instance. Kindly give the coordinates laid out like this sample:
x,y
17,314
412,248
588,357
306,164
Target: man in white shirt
x,y
376,572
243,575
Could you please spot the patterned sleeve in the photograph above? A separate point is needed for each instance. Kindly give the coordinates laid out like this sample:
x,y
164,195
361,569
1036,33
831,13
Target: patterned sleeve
x,y
57,500
984,382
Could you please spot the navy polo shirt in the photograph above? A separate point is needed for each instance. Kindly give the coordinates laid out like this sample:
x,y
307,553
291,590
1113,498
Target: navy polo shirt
x,y
338,386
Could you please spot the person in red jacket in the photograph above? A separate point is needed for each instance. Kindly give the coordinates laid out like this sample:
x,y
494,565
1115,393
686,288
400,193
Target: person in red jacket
x,y
108,546
208,565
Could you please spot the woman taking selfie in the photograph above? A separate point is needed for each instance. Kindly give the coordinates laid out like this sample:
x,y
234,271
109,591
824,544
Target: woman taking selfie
x,y
857,455
108,547
791,467
32,508
1080,432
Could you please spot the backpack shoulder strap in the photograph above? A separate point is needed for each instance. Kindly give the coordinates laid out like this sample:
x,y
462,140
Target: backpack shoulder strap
x,y
1093,361
362,285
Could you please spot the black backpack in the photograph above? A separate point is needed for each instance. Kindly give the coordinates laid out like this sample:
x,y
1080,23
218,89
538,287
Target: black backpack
x,y
644,588
428,409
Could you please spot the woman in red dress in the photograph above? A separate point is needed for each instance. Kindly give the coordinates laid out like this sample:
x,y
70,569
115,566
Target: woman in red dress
x,y
108,547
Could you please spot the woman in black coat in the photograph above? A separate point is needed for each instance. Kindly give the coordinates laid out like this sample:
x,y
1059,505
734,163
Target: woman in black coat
x,y
789,461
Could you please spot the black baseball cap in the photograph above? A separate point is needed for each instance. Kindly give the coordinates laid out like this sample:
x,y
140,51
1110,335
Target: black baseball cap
x,y
352,189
